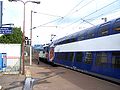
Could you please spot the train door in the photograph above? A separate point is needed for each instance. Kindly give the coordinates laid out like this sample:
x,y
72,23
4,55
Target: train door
x,y
115,64
88,61
102,63
67,58
73,62
78,60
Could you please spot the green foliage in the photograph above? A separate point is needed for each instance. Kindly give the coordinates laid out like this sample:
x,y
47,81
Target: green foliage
x,y
15,37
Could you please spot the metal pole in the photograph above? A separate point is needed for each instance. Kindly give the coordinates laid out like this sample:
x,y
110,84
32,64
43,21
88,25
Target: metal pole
x,y
23,41
23,35
31,40
23,38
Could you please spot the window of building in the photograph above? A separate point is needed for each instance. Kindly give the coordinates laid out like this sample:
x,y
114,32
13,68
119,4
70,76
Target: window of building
x,y
79,56
88,57
116,59
101,59
117,25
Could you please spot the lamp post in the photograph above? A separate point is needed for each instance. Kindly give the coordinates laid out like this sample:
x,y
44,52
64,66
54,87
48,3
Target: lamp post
x,y
23,36
31,40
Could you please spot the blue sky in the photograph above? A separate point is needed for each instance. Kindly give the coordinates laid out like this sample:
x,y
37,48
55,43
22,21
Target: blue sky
x,y
72,12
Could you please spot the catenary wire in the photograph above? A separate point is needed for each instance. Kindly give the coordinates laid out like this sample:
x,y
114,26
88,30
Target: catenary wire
x,y
78,9
91,13
93,18
42,25
71,10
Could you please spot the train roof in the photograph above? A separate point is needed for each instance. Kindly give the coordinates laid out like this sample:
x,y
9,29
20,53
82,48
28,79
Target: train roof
x,y
74,35
87,30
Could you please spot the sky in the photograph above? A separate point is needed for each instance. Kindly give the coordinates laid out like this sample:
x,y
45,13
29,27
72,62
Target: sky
x,y
59,17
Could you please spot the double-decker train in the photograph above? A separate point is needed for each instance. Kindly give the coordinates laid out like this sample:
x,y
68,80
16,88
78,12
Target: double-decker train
x,y
95,50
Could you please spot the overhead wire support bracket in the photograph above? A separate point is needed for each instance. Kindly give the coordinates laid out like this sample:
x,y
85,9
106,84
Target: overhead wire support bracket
x,y
87,22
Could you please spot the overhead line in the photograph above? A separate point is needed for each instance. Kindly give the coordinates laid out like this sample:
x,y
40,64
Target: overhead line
x,y
85,5
100,9
46,23
92,13
93,18
79,8
72,9
87,22
79,20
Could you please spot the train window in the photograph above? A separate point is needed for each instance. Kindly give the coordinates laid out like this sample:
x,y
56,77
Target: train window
x,y
79,56
81,38
90,35
103,30
66,56
116,59
61,56
59,43
67,41
58,56
117,25
73,40
88,57
70,56
62,42
101,59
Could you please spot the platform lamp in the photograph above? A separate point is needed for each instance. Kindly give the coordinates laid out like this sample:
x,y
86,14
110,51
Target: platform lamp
x,y
23,36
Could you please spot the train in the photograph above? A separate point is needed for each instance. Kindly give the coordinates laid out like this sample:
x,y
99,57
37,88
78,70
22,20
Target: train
x,y
95,51
43,54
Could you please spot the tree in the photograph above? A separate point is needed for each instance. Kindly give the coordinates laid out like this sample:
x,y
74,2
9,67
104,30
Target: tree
x,y
15,37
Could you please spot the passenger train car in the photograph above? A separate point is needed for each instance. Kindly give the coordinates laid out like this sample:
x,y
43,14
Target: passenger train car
x,y
95,50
